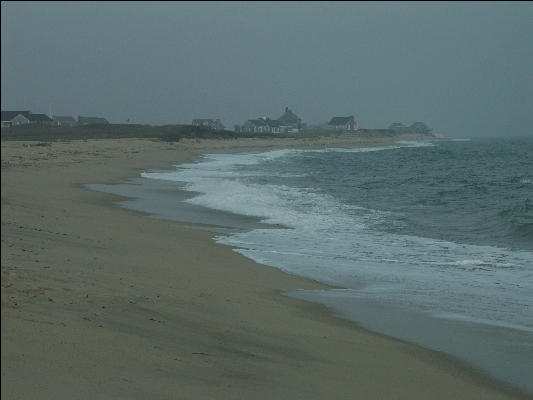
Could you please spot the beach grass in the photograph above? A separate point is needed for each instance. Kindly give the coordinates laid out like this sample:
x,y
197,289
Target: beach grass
x,y
172,133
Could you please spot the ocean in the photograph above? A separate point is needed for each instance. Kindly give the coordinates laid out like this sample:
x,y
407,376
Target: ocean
x,y
428,242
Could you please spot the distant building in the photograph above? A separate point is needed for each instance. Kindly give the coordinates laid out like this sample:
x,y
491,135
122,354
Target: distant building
x,y
416,127
343,123
41,119
262,125
420,127
64,120
92,121
208,123
275,126
14,118
397,127
254,126
288,122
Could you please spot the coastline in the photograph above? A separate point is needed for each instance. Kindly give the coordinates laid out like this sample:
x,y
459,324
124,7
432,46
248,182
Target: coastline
x,y
100,300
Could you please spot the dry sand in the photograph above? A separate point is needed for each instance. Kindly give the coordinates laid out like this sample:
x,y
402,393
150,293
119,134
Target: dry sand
x,y
102,302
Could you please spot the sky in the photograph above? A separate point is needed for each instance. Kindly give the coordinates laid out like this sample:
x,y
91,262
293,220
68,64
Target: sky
x,y
464,68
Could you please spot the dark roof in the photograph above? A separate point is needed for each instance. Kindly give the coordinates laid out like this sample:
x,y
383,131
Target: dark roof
x,y
289,117
420,124
39,118
9,115
92,120
396,125
257,122
341,120
62,118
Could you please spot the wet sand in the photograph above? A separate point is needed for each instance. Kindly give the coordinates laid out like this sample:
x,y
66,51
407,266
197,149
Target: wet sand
x,y
102,302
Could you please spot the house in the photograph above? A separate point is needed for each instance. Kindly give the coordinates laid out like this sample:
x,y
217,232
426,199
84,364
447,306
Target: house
x,y
343,123
275,126
258,125
64,120
41,119
416,127
209,123
261,125
290,121
92,121
14,118
419,127
397,127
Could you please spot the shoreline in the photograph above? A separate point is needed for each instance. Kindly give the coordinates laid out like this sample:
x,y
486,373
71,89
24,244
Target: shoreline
x,y
69,283
148,195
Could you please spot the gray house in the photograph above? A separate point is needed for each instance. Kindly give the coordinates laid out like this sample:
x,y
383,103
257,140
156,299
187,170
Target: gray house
x,y
209,123
41,119
92,121
397,127
14,118
343,123
258,125
420,127
288,122
416,127
261,125
64,120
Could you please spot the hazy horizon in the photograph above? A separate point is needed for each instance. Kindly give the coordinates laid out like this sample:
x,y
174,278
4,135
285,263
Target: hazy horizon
x,y
463,68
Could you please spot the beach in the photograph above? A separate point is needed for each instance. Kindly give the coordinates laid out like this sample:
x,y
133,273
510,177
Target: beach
x,y
103,302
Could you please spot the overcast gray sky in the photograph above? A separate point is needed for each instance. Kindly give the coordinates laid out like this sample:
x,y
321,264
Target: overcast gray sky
x,y
466,69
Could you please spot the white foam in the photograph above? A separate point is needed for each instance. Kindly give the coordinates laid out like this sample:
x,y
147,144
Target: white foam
x,y
400,145
334,242
415,143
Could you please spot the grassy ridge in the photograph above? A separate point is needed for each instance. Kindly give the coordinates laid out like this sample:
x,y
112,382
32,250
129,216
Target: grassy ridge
x,y
171,133
114,131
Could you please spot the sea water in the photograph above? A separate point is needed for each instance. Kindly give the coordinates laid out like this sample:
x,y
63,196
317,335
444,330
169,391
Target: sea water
x,y
429,242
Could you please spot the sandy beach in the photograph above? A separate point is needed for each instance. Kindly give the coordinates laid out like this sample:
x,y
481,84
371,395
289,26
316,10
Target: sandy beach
x,y
102,302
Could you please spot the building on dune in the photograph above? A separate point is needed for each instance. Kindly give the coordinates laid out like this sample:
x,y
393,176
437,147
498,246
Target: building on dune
x,y
92,121
343,124
14,118
416,127
291,121
288,122
41,119
62,120
26,117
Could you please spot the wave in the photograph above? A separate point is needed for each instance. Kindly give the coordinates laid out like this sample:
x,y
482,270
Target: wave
x,y
502,324
401,145
518,220
338,243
